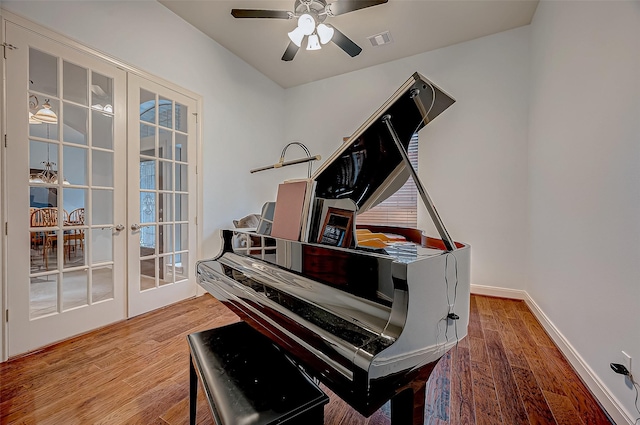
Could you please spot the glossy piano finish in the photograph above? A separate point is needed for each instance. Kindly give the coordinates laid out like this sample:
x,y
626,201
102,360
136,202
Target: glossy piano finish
x,y
360,321
368,168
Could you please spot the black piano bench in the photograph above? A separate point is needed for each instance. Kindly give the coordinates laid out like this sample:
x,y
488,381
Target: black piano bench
x,y
248,380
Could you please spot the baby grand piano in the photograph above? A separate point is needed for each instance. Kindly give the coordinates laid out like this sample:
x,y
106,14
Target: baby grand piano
x,y
370,321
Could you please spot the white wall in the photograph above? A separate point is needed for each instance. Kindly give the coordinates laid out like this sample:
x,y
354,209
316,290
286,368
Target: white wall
x,y
584,160
473,157
243,109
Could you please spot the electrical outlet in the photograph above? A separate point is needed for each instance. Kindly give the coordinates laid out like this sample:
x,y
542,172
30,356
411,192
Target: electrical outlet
x,y
626,361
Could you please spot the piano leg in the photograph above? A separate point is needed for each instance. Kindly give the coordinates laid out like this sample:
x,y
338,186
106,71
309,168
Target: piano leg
x,y
407,406
193,393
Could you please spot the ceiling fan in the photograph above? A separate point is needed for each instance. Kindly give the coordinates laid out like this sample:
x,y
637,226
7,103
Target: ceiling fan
x,y
311,15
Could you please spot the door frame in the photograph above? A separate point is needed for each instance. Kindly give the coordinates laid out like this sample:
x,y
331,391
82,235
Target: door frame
x,y
6,16
3,210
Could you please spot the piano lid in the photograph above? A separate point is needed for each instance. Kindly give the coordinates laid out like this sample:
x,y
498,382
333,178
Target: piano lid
x,y
368,167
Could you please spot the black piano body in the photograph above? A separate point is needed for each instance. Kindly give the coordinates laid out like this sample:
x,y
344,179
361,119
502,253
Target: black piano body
x,y
368,322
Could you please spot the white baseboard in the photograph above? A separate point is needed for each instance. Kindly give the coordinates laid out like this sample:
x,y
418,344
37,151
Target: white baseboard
x,y
492,291
610,403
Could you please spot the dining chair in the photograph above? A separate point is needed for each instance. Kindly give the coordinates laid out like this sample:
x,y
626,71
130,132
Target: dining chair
x,y
76,235
45,218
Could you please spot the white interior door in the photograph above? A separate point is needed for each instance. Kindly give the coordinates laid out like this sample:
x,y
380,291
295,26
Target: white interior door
x,y
66,186
161,197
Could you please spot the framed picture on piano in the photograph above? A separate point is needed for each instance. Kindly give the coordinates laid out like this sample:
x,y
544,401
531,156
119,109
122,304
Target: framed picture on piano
x,y
337,228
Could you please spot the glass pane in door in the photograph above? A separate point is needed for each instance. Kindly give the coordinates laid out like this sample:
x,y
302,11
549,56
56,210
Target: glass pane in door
x,y
40,105
165,213
166,265
182,260
75,227
182,207
181,147
76,175
147,274
147,107
165,112
74,289
102,94
75,124
102,130
102,245
147,207
102,168
75,83
43,291
102,283
43,72
181,118
165,144
102,207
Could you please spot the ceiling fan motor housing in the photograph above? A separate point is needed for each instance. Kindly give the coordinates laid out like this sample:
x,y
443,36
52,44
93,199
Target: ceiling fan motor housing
x,y
316,8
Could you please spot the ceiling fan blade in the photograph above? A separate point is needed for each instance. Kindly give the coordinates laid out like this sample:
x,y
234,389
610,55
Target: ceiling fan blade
x,y
345,43
291,51
345,6
257,13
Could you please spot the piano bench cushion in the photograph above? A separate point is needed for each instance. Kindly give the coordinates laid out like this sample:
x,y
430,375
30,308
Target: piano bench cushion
x,y
248,380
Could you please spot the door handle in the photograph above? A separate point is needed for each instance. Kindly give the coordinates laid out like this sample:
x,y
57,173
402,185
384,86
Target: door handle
x,y
135,227
119,228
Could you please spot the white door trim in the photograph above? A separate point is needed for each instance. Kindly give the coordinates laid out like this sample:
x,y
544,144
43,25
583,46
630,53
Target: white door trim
x,y
3,210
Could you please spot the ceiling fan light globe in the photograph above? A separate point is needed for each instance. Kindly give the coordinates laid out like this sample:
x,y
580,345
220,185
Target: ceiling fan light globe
x,y
307,24
326,33
296,36
313,43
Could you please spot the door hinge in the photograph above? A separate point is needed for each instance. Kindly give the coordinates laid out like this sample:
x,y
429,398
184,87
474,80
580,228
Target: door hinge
x,y
196,115
5,140
6,315
6,227
6,46
196,220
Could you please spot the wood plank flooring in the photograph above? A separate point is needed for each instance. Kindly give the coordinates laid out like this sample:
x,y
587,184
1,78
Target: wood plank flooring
x,y
506,371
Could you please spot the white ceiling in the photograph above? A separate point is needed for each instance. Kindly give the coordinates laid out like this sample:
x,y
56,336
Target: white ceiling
x,y
416,26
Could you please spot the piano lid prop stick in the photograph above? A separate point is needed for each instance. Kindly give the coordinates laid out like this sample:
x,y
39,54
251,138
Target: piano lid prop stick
x,y
437,221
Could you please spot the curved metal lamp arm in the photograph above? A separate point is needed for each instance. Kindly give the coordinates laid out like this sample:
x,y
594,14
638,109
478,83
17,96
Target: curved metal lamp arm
x,y
304,148
282,163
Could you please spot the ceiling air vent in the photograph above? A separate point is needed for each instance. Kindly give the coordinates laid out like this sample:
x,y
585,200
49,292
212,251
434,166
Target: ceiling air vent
x,y
380,39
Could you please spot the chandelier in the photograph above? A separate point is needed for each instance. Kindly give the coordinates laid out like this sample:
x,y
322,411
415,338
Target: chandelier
x,y
44,115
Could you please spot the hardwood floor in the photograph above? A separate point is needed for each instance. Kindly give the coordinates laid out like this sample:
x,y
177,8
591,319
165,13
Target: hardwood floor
x,y
507,371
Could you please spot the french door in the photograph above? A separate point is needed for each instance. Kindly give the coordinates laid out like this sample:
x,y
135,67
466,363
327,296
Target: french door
x,y
161,197
101,192
66,191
